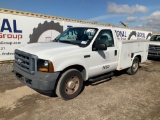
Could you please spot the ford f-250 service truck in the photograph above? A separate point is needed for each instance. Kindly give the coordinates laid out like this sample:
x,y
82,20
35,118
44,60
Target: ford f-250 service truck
x,y
77,55
154,46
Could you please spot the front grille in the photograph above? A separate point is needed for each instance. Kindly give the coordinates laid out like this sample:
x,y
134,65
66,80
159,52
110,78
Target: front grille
x,y
154,47
26,61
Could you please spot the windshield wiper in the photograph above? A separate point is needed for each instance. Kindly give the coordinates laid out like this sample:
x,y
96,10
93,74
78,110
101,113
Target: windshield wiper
x,y
66,41
55,40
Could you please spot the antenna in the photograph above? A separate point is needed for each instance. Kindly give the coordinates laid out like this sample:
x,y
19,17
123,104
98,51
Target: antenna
x,y
124,24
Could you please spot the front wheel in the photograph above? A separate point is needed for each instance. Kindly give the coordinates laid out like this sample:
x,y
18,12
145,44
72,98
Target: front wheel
x,y
70,84
135,66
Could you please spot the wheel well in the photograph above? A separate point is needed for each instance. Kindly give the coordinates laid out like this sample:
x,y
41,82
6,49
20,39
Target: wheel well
x,y
77,67
80,68
139,57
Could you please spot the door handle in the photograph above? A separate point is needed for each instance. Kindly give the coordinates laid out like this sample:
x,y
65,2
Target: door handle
x,y
115,52
86,56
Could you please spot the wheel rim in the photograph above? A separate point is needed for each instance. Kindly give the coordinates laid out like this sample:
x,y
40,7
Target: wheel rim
x,y
135,66
72,85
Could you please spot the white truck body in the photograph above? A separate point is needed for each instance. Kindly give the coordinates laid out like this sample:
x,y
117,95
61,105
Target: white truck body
x,y
128,48
86,59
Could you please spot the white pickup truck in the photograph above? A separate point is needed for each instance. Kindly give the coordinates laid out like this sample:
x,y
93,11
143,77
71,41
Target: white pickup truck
x,y
154,47
77,55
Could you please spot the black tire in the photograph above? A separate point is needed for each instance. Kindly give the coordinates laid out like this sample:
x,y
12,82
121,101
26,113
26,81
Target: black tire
x,y
131,34
42,28
149,35
134,68
70,84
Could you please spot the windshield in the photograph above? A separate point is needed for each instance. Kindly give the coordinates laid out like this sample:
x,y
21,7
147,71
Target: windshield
x,y
155,38
77,35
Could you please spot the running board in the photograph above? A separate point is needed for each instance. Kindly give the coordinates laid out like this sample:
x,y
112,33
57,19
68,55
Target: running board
x,y
101,77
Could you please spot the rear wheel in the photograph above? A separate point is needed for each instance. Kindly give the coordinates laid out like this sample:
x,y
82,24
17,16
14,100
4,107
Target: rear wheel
x,y
70,84
135,66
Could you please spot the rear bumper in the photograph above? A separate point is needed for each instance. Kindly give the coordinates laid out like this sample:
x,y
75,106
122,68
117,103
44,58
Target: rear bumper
x,y
40,81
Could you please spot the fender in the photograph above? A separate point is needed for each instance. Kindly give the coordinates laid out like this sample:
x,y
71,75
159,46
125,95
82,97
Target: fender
x,y
135,55
70,62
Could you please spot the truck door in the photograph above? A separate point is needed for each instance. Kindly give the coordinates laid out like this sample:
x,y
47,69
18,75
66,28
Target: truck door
x,y
103,61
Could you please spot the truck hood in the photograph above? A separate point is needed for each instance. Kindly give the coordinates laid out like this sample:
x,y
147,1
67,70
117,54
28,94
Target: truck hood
x,y
154,43
47,50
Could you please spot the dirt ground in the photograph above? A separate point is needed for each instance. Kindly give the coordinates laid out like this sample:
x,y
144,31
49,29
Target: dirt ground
x,y
123,97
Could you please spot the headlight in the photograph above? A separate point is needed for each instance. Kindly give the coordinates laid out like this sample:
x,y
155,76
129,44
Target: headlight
x,y
45,66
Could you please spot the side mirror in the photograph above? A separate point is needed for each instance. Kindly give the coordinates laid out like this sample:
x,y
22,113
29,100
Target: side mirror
x,y
101,47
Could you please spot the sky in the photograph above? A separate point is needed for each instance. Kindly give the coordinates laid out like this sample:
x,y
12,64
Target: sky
x,y
143,14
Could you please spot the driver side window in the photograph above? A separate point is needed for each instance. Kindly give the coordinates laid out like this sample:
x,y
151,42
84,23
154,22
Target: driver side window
x,y
105,37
